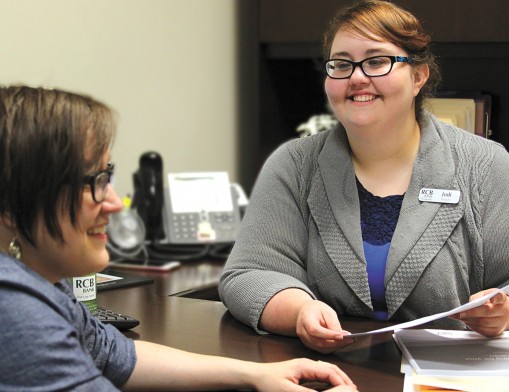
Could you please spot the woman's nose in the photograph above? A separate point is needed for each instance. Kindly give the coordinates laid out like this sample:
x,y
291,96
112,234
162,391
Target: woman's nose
x,y
112,203
358,76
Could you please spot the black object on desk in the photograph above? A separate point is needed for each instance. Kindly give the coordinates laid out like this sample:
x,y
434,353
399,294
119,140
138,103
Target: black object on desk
x,y
120,321
112,279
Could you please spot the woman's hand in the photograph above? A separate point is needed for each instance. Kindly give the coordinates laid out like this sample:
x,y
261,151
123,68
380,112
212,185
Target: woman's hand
x,y
289,375
490,319
319,329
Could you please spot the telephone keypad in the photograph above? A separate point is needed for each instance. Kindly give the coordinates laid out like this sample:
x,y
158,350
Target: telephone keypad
x,y
185,226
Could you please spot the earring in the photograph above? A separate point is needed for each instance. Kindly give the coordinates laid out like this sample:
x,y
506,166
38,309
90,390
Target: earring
x,y
15,249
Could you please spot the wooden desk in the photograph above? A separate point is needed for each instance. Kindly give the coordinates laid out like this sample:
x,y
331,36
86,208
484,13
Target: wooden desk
x,y
194,279
206,327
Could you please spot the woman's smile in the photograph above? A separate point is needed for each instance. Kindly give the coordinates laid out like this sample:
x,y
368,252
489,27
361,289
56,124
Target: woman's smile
x,y
363,97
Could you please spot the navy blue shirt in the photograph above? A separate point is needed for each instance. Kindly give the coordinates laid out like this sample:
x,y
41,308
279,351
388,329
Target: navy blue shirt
x,y
379,216
49,341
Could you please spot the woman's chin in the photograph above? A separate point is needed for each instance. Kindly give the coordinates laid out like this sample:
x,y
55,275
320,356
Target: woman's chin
x,y
102,262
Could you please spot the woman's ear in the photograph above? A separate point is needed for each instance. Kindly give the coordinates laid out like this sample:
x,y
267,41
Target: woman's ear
x,y
7,232
421,75
6,221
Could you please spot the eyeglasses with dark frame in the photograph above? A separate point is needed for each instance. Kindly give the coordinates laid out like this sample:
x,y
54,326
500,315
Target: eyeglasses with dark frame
x,y
99,183
372,66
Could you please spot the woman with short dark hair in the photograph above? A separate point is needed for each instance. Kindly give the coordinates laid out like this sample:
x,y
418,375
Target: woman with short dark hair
x,y
55,202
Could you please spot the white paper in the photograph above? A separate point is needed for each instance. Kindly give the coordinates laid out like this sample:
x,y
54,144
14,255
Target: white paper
x,y
106,278
423,320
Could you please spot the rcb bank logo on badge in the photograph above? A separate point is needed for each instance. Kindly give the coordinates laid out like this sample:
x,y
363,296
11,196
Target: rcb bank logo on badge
x,y
426,194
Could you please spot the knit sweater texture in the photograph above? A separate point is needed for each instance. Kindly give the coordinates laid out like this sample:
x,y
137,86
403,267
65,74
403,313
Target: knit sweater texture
x,y
302,229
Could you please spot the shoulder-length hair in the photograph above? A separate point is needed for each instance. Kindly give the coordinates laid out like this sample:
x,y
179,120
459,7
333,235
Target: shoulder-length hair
x,y
49,139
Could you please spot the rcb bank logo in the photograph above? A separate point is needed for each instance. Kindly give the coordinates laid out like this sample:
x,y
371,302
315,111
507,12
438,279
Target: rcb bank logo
x,y
426,194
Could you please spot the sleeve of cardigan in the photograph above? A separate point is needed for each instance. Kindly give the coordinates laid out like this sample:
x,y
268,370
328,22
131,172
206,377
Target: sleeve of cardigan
x,y
270,251
495,220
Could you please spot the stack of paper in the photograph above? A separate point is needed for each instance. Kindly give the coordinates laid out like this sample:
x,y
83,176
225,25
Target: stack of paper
x,y
449,360
471,114
436,360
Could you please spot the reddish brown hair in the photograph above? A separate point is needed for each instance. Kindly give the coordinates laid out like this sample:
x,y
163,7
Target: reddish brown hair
x,y
381,20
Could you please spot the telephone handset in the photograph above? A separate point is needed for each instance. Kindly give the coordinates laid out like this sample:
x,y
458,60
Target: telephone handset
x,y
148,196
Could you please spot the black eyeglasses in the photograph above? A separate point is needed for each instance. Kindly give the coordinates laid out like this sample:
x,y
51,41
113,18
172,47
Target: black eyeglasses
x,y
99,183
372,66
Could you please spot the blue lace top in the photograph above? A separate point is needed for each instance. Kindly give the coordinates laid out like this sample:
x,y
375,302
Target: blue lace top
x,y
379,216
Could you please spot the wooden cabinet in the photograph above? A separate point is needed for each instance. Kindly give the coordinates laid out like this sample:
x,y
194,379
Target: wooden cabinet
x,y
446,20
281,81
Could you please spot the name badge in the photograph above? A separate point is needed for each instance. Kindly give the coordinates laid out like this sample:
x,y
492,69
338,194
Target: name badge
x,y
439,195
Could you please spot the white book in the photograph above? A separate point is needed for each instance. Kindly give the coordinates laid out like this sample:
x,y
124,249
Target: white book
x,y
454,353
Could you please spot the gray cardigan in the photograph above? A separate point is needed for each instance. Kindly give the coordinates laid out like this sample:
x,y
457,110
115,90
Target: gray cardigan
x,y
302,229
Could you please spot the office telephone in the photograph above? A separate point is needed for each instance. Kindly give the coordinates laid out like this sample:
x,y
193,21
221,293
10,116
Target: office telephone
x,y
194,214
200,208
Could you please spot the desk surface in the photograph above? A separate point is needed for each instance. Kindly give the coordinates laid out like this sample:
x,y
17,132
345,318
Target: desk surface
x,y
206,327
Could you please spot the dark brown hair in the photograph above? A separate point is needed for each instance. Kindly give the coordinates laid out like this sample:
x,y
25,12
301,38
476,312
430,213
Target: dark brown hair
x,y
376,19
49,139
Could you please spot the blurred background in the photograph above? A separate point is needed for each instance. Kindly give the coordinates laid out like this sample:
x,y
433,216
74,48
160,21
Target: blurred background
x,y
216,85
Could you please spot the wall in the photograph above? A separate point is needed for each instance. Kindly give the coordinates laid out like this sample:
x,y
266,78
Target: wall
x,y
167,67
